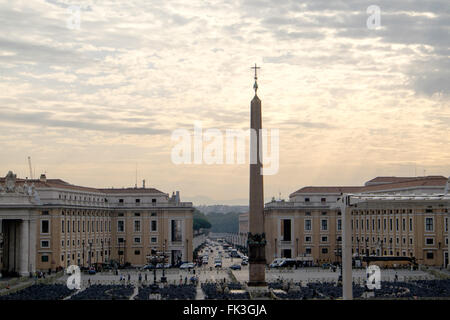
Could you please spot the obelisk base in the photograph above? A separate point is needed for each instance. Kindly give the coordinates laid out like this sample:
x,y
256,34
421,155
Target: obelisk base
x,y
257,274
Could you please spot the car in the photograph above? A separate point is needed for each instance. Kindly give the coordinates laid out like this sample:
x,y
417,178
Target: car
x,y
326,265
218,265
287,263
235,267
244,263
275,263
188,265
92,271
148,267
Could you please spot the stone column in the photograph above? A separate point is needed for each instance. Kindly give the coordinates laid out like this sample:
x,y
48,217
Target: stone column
x,y
347,280
24,248
32,248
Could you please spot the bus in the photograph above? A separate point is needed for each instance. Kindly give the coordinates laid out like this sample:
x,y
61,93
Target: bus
x,y
390,261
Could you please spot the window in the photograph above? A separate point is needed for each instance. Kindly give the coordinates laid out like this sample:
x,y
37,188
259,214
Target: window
x,y
137,252
373,224
306,199
403,224
137,214
137,239
308,251
396,224
379,224
45,227
62,226
44,258
154,202
324,224
120,201
323,200
153,214
308,225
45,244
120,240
138,201
429,241
430,255
153,225
410,224
384,224
285,231
120,226
153,240
410,241
137,226
390,224
307,239
429,224
84,226
176,230
339,224
446,224
324,239
324,250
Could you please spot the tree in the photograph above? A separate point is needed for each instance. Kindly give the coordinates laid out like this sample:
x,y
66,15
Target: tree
x,y
200,221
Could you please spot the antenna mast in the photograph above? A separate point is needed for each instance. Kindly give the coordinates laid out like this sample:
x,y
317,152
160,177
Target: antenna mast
x,y
29,165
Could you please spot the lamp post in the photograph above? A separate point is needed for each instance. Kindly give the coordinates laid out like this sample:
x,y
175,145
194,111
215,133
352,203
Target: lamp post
x,y
103,253
90,250
83,253
163,278
367,247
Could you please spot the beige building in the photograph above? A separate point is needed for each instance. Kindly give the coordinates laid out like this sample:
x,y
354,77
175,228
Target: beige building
x,y
309,225
49,223
243,224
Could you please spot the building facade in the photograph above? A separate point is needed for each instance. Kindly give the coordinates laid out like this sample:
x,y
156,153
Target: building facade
x,y
50,224
309,225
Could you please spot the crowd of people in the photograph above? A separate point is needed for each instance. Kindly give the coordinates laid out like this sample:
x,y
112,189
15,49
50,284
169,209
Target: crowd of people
x,y
169,292
105,292
221,291
40,292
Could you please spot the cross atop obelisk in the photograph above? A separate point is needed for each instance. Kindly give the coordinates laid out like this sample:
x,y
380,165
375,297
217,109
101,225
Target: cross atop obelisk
x,y
255,86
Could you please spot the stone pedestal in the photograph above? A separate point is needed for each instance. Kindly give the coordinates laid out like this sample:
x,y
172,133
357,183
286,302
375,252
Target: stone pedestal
x,y
259,292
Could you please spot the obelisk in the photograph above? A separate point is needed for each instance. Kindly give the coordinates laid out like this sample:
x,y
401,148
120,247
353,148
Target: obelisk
x,y
256,236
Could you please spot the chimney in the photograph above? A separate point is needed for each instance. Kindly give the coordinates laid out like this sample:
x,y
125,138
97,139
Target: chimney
x,y
178,197
143,183
43,178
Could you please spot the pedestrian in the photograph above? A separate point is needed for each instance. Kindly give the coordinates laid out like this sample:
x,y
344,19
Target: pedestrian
x,y
140,278
129,277
146,277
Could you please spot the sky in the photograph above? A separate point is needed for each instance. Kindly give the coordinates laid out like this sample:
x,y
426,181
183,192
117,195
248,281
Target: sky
x,y
93,105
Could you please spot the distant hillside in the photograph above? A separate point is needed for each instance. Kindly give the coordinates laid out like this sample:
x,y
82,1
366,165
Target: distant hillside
x,y
219,208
